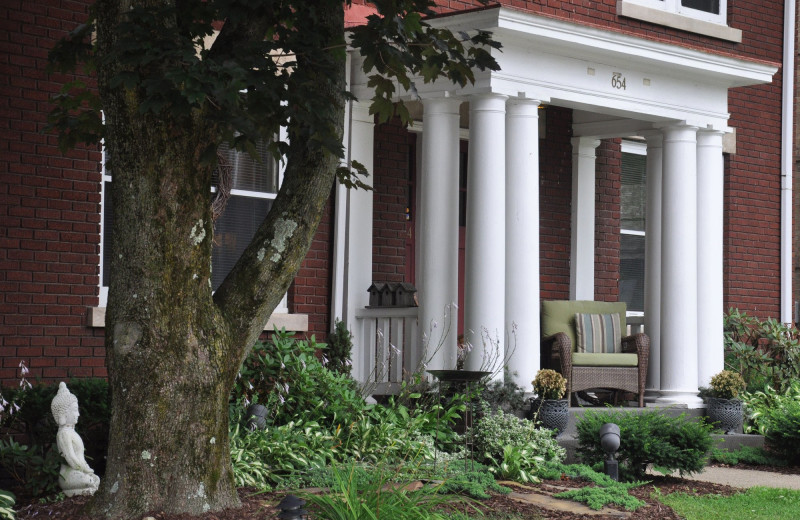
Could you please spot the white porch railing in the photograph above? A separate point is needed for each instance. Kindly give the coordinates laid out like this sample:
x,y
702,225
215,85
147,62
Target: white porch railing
x,y
388,339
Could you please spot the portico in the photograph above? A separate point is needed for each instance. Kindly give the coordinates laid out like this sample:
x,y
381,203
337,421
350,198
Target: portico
x,y
673,98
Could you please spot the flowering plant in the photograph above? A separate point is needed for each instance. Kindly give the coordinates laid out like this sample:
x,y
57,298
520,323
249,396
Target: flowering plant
x,y
727,385
549,384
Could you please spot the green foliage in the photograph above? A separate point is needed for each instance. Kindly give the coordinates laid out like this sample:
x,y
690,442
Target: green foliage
x,y
340,346
763,352
504,394
777,416
746,455
675,443
356,499
31,467
605,490
7,501
287,376
549,384
475,484
757,503
727,384
513,448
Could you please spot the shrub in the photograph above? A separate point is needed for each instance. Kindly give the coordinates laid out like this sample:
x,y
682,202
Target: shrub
x,y
286,376
727,385
746,455
339,349
673,443
549,384
764,352
777,417
504,394
493,432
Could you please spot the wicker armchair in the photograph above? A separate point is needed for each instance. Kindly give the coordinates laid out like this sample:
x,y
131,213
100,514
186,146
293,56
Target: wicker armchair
x,y
620,371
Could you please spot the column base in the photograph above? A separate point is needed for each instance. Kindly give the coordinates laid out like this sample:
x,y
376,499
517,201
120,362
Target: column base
x,y
688,398
651,395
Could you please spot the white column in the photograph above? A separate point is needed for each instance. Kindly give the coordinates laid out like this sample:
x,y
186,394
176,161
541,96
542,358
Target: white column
x,y
679,268
355,214
438,290
581,280
484,280
652,268
522,240
710,305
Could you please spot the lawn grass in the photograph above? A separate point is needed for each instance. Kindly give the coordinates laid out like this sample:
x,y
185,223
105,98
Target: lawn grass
x,y
758,503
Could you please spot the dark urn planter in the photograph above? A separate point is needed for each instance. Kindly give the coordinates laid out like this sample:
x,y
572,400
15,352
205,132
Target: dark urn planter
x,y
726,414
553,414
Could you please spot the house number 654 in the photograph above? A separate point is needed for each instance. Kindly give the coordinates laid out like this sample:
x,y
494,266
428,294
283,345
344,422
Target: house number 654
x,y
618,80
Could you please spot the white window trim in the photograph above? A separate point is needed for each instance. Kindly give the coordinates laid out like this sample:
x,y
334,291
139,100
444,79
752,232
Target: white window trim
x,y
280,315
670,13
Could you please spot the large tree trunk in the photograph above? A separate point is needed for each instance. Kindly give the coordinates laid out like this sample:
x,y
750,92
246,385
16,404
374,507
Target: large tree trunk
x,y
173,348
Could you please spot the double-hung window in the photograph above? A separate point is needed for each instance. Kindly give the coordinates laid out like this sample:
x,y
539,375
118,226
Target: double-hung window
x,y
253,187
707,17
633,207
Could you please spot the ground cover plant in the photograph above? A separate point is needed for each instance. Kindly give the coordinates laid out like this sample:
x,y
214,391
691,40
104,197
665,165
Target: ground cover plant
x,y
746,455
646,438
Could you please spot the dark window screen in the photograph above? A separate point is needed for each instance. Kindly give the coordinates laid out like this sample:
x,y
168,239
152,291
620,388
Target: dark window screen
x,y
709,6
233,231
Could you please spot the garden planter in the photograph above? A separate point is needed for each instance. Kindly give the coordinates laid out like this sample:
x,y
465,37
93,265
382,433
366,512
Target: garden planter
x,y
551,413
725,414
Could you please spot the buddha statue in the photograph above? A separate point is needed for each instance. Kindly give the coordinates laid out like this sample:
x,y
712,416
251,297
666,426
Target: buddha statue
x,y
75,477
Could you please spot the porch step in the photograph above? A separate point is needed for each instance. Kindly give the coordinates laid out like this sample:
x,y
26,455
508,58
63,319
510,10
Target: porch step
x,y
568,440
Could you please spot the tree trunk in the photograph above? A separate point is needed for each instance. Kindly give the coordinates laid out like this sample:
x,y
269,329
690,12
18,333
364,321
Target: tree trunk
x,y
173,348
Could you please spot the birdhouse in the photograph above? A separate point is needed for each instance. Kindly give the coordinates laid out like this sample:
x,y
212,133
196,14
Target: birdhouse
x,y
387,295
404,295
375,291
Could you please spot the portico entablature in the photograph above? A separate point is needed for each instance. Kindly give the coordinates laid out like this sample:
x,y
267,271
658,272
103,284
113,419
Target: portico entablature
x,y
590,68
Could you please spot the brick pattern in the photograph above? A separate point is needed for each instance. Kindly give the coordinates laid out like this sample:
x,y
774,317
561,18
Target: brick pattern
x,y
607,220
50,210
753,202
310,292
393,145
555,201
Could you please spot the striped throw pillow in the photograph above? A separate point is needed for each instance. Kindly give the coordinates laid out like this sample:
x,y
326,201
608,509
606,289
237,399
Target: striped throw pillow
x,y
598,333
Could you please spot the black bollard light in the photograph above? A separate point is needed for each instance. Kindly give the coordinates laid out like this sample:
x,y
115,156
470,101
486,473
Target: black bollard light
x,y
291,508
256,417
609,441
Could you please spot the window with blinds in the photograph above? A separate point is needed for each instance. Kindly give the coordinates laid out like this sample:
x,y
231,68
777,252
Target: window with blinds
x,y
633,200
254,185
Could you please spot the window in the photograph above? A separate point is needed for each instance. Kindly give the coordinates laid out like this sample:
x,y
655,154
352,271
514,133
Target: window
x,y
254,185
708,17
633,200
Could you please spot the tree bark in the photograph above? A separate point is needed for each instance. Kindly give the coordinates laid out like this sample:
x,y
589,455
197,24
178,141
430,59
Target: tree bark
x,y
173,348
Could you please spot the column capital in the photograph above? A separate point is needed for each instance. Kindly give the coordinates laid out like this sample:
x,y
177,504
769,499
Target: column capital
x,y
584,145
441,105
523,107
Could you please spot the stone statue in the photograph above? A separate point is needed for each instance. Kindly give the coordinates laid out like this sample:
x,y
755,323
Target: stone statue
x,y
75,477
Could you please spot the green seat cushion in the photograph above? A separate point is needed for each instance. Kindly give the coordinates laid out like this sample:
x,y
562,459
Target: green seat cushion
x,y
559,316
604,360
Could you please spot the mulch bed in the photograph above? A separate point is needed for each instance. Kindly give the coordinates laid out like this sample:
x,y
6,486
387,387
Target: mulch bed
x,y
261,506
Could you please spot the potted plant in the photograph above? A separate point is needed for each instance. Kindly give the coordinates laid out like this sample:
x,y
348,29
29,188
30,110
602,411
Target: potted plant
x,y
723,407
549,406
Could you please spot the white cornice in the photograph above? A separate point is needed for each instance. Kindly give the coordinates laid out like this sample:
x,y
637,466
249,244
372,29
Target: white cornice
x,y
582,41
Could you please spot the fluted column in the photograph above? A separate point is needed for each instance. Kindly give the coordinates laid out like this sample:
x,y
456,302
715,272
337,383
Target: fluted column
x,y
522,240
652,268
581,280
679,267
710,306
484,282
438,288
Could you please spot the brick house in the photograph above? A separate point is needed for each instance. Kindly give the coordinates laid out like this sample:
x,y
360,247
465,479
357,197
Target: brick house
x,y
624,145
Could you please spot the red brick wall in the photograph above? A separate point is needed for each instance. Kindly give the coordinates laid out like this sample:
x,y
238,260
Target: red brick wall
x,y
393,144
555,201
311,291
606,231
49,214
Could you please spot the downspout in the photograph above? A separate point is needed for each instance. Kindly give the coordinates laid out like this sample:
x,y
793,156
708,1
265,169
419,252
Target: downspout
x,y
787,146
